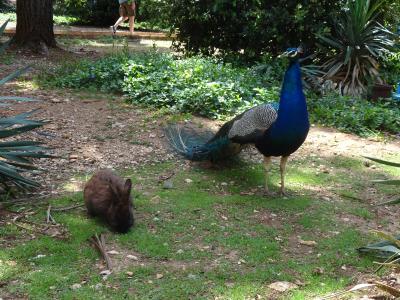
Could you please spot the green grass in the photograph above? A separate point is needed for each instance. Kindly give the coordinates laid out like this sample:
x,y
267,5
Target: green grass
x,y
205,238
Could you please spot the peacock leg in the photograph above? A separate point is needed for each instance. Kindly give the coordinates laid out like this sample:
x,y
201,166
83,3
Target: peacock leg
x,y
267,165
284,160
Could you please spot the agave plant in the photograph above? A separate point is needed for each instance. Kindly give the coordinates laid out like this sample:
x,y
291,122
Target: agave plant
x,y
390,248
395,182
356,43
16,155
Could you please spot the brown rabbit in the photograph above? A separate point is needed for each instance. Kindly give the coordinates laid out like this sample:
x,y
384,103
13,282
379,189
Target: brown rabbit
x,y
108,197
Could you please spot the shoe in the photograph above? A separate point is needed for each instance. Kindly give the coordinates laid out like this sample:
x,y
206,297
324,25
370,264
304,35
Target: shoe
x,y
113,29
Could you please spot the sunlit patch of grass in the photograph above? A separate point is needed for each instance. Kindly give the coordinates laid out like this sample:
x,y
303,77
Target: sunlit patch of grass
x,y
8,266
319,286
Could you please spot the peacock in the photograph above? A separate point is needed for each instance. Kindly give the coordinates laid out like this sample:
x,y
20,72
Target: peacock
x,y
275,129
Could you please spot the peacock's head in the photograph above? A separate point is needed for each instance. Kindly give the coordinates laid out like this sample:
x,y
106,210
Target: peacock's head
x,y
293,53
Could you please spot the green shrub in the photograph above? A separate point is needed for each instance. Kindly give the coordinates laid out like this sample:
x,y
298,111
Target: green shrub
x,y
93,12
354,115
152,14
6,6
104,74
390,68
211,88
198,85
256,26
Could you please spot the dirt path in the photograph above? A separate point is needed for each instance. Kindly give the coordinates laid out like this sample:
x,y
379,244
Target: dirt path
x,y
93,32
92,133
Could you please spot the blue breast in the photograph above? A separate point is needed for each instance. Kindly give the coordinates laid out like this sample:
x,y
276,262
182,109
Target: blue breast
x,y
291,127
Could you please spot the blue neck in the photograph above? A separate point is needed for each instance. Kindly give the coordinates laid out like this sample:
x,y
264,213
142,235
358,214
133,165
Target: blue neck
x,y
292,105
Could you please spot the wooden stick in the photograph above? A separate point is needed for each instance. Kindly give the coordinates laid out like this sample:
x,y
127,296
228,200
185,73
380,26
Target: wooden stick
x,y
23,201
49,217
100,245
166,177
351,197
386,261
31,222
48,214
27,228
67,208
107,257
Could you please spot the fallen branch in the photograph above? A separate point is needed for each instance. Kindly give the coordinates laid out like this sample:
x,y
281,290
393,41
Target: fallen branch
x,y
163,178
351,197
101,246
49,217
67,208
391,261
27,228
30,200
31,222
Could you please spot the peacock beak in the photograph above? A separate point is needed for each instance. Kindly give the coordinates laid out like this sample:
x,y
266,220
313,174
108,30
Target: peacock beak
x,y
291,53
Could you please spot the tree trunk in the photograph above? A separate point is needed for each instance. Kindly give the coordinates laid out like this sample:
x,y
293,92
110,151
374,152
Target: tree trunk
x,y
35,24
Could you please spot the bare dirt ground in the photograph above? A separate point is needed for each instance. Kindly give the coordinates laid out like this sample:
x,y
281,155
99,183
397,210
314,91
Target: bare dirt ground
x,y
99,133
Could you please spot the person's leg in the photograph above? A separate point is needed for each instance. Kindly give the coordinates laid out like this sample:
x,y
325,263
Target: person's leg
x,y
123,16
115,26
119,21
132,24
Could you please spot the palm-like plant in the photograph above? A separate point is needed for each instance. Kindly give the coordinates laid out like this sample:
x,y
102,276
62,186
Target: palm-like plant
x,y
15,156
390,248
395,182
356,43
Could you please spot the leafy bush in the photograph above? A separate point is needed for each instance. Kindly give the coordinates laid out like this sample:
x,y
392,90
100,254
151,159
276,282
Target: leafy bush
x,y
198,85
6,6
155,13
256,26
152,13
93,12
106,74
390,69
215,89
354,115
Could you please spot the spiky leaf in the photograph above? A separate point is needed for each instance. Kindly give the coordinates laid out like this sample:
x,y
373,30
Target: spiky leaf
x,y
15,156
14,75
384,162
391,202
14,98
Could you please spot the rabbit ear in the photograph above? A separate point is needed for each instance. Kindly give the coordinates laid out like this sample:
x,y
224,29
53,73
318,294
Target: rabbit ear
x,y
128,186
